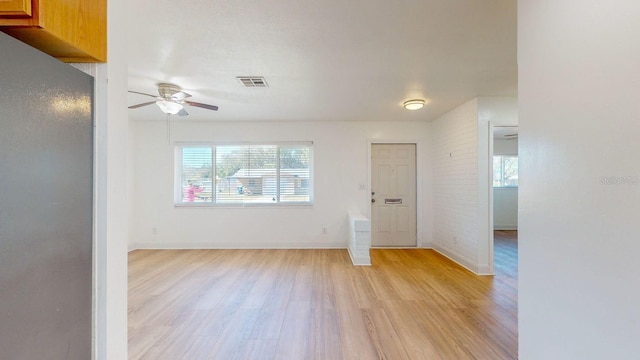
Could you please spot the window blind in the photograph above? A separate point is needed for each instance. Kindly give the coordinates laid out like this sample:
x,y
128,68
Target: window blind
x,y
244,174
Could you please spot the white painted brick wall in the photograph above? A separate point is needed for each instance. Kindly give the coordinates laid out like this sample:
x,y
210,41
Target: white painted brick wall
x,y
359,239
455,181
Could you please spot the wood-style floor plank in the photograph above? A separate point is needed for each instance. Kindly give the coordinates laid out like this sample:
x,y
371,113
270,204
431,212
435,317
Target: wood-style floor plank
x,y
313,304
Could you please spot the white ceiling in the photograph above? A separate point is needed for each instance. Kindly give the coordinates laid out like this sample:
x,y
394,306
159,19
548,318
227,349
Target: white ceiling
x,y
323,60
505,132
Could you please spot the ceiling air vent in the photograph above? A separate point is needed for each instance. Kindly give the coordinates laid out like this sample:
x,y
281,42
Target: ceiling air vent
x,y
253,81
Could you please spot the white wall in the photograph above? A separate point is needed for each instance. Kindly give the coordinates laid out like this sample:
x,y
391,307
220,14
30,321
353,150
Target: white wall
x,y
111,210
492,111
505,200
455,184
505,147
340,168
505,208
579,90
462,179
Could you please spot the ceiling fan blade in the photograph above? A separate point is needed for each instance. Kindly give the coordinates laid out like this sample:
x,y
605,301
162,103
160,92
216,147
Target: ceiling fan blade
x,y
141,105
183,112
181,95
135,92
200,105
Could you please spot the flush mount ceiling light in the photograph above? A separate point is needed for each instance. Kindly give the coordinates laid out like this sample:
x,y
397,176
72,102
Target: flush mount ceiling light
x,y
415,104
169,107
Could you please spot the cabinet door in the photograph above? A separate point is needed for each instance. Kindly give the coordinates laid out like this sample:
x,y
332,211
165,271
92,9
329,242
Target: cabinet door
x,y
15,7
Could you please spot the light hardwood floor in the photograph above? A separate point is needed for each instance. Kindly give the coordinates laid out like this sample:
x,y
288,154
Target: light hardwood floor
x,y
313,304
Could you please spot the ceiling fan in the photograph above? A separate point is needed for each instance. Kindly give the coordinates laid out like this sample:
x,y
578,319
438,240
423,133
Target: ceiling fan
x,y
171,100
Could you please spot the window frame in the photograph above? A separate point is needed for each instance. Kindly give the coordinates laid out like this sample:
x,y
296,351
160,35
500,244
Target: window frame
x,y
178,172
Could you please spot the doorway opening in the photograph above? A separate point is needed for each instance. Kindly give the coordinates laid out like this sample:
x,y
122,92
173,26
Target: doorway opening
x,y
504,197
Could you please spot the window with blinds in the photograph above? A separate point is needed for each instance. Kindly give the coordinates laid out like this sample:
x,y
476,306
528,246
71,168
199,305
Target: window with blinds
x,y
244,174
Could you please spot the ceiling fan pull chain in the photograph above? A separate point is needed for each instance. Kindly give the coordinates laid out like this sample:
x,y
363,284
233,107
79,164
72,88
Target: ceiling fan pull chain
x,y
168,130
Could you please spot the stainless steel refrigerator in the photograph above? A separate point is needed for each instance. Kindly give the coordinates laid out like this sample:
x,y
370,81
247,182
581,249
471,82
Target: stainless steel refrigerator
x,y
46,206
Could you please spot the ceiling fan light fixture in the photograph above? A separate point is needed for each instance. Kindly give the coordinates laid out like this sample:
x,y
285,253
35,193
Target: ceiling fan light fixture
x,y
169,107
414,104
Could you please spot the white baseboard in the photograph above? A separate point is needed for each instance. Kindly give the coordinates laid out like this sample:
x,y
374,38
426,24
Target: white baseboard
x,y
460,260
505,227
197,246
484,269
359,260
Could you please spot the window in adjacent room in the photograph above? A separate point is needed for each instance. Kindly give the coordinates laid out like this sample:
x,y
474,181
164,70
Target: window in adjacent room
x,y
245,174
505,171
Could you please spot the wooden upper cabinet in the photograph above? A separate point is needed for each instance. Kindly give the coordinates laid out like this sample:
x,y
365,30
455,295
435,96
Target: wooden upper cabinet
x,y
15,7
70,30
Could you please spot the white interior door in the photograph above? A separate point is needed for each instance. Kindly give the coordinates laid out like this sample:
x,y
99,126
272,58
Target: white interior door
x,y
393,195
